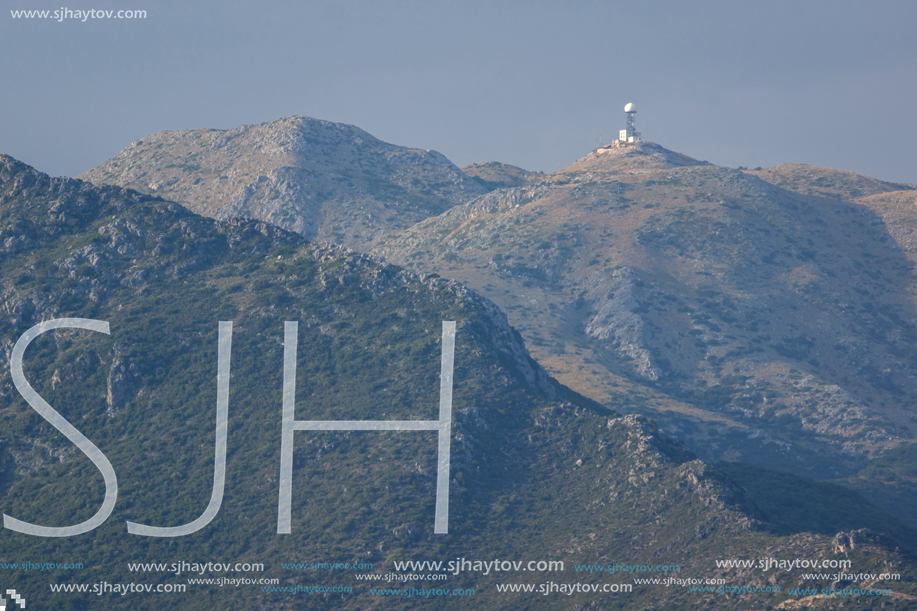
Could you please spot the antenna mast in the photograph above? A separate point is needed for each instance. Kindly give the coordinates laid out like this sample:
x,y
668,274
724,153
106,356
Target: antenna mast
x,y
629,133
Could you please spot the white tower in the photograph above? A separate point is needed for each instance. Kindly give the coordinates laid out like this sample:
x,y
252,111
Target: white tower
x,y
629,133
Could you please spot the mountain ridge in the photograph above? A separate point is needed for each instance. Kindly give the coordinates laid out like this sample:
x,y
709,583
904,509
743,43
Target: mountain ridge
x,y
621,168
533,476
789,347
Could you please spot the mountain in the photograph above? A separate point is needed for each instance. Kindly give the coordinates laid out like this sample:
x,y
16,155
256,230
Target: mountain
x,y
826,182
496,175
538,473
761,316
327,181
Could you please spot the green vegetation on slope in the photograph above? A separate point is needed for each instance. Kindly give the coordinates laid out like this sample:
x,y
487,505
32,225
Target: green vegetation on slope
x,y
534,474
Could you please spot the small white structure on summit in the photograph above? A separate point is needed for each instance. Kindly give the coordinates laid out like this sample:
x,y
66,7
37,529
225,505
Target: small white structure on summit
x,y
629,133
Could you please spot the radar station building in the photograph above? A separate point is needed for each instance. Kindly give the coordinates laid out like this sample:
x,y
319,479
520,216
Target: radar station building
x,y
629,133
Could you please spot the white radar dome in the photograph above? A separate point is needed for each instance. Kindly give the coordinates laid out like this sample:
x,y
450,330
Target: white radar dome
x,y
630,108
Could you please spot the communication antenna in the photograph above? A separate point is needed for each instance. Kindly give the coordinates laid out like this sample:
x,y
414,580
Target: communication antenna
x,y
629,133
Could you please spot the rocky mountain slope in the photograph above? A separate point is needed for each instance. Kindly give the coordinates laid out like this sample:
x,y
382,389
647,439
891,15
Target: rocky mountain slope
x,y
326,181
537,472
763,323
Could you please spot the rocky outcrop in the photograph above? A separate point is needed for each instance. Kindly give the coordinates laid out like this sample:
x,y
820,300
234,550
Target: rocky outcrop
x,y
616,321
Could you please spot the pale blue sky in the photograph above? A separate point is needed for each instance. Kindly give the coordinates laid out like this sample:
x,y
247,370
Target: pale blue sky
x,y
534,84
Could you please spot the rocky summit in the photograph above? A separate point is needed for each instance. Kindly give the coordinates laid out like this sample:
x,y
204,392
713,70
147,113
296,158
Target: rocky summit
x,y
326,181
632,158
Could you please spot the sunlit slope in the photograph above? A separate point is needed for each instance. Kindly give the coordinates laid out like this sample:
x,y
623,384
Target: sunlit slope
x,y
758,323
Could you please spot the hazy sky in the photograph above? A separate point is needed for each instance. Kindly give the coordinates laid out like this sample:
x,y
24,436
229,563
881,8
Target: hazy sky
x,y
534,84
